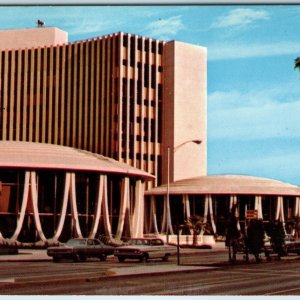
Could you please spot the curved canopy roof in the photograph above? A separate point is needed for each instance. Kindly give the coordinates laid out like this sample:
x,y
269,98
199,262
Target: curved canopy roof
x,y
228,184
47,156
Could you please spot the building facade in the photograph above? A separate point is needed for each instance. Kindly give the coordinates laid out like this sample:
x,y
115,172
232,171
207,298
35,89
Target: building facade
x,y
123,96
215,197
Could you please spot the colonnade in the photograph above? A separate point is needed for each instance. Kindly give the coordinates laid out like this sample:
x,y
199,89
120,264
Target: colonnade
x,y
131,219
208,212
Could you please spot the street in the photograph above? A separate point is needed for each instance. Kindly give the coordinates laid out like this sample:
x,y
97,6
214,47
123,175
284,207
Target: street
x,y
97,278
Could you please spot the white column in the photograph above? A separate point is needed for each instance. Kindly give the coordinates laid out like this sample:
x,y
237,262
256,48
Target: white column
x,y
258,207
138,214
280,210
63,208
297,207
208,211
234,202
205,214
164,220
21,216
153,216
107,225
34,199
74,211
186,206
169,220
124,215
211,212
97,213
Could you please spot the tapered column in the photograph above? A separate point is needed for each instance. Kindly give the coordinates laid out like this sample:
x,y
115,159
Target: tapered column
x,y
101,203
69,193
186,206
21,216
124,215
106,222
74,210
98,206
153,216
167,223
138,215
258,207
297,207
208,211
34,199
63,208
279,210
234,203
164,219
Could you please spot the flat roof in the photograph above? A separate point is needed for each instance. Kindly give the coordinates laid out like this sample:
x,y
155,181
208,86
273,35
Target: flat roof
x,y
30,155
227,185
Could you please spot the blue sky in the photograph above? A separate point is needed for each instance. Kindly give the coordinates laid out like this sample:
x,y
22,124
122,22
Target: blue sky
x,y
253,89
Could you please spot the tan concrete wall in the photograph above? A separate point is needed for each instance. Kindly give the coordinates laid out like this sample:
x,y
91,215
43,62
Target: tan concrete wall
x,y
184,110
32,38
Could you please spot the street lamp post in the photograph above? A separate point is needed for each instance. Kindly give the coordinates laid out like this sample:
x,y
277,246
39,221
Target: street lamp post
x,y
198,142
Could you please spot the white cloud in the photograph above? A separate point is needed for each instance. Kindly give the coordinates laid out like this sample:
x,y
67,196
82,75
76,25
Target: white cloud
x,y
163,28
90,26
254,115
237,51
240,17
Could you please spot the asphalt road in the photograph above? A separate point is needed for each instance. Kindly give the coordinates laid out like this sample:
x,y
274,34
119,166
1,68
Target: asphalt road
x,y
66,278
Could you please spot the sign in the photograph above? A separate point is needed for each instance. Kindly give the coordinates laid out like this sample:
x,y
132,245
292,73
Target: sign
x,y
251,214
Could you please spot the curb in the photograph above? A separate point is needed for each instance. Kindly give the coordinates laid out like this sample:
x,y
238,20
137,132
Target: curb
x,y
103,276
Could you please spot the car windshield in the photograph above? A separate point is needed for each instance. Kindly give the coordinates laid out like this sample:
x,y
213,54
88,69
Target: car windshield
x,y
75,242
138,242
156,242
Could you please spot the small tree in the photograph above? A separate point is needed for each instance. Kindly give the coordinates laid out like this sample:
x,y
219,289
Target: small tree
x,y
197,225
293,226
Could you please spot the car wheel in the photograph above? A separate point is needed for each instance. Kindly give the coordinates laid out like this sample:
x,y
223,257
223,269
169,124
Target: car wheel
x,y
82,258
76,258
103,257
121,259
144,258
56,259
166,257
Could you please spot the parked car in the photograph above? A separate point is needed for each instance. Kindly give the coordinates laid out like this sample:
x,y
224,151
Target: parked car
x,y
144,249
291,245
79,249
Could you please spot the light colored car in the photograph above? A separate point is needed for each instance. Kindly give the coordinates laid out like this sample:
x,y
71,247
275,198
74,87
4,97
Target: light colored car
x,y
79,249
144,249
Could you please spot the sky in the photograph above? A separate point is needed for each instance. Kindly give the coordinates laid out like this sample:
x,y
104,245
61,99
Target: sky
x,y
253,94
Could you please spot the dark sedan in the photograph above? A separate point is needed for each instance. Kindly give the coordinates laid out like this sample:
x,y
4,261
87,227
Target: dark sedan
x,y
80,249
